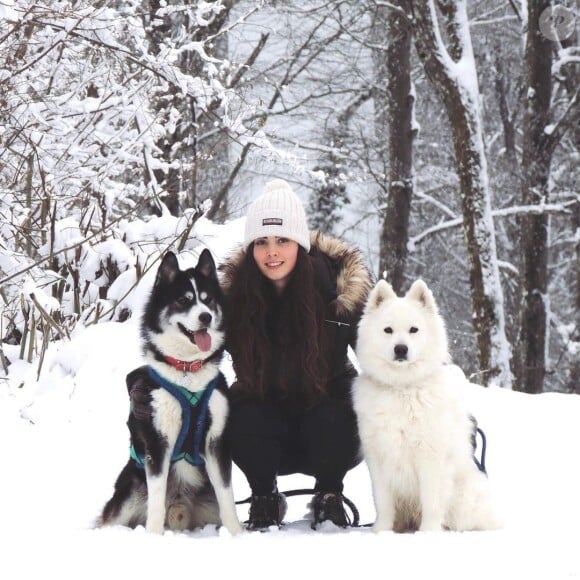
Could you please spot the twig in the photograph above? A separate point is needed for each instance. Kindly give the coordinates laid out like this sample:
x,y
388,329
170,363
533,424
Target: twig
x,y
45,337
48,317
4,360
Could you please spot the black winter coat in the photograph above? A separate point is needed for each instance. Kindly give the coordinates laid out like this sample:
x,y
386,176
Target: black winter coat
x,y
343,281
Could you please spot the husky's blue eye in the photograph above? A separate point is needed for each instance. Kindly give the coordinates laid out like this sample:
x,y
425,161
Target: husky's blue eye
x,y
413,329
389,330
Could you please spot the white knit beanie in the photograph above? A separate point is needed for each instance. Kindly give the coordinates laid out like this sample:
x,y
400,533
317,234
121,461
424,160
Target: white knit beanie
x,y
277,212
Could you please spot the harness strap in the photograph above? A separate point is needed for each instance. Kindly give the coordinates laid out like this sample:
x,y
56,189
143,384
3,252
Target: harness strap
x,y
201,421
187,400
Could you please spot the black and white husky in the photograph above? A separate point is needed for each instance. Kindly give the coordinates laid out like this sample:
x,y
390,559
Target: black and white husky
x,y
179,473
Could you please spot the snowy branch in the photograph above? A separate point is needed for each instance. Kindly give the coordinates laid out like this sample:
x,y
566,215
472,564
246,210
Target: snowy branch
x,y
569,119
394,8
77,244
553,208
435,202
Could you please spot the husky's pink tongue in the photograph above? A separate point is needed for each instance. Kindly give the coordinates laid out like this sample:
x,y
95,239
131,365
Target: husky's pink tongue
x,y
202,340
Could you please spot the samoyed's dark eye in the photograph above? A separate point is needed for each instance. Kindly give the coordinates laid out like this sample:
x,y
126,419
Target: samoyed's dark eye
x,y
389,330
413,329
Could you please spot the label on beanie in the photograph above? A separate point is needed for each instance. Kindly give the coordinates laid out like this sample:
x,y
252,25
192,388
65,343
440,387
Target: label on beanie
x,y
272,222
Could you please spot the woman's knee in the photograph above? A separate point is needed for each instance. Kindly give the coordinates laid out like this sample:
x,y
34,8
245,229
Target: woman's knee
x,y
253,418
332,414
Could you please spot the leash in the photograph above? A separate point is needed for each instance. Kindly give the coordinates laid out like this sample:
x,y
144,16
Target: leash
x,y
290,493
481,463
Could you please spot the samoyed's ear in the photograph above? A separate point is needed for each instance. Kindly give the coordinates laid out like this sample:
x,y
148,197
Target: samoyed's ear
x,y
382,292
420,292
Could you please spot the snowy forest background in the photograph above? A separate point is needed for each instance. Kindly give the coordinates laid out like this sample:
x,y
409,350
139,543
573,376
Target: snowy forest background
x,y
440,136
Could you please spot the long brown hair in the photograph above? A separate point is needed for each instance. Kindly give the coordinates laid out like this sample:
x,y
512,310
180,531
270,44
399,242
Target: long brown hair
x,y
298,368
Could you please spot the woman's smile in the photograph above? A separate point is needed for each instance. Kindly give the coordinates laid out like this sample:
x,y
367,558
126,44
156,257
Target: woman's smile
x,y
276,259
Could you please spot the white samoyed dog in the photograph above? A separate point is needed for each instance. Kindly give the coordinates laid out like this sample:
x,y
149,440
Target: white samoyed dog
x,y
417,435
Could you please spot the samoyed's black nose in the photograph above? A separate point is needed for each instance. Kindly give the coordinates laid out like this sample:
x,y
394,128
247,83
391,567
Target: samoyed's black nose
x,y
401,351
205,318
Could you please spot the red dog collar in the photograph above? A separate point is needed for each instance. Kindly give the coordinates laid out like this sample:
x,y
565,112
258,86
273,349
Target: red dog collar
x,y
185,366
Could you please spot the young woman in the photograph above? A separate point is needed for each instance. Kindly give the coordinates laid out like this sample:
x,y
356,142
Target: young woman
x,y
293,304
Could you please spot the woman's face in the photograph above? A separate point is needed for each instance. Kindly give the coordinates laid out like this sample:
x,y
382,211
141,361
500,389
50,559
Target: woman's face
x,y
276,258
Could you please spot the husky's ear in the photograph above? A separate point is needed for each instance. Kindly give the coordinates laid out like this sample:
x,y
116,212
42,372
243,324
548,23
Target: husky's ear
x,y
420,291
206,264
167,269
382,292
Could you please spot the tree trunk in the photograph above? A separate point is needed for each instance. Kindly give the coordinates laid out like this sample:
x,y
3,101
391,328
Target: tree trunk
x,y
536,159
399,102
507,121
457,87
574,383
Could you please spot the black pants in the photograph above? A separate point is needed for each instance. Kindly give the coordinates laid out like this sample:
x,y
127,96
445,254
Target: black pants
x,y
322,442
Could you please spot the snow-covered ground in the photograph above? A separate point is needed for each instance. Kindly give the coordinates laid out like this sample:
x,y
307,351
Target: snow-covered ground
x,y
64,441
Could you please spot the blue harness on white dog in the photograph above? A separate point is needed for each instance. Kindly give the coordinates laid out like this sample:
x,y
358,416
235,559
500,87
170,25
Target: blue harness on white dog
x,y
188,402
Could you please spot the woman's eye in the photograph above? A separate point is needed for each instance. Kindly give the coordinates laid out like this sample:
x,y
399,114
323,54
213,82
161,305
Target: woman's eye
x,y
282,240
389,330
413,329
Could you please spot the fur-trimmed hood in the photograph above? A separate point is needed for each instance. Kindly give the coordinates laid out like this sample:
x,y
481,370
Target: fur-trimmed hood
x,y
353,281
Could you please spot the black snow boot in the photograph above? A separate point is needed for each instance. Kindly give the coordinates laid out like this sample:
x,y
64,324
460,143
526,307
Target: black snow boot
x,y
328,507
267,510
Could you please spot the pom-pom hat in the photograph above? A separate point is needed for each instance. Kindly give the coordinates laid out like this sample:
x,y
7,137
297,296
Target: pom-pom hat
x,y
277,212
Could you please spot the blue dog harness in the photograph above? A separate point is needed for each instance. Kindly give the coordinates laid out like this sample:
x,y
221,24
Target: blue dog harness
x,y
188,402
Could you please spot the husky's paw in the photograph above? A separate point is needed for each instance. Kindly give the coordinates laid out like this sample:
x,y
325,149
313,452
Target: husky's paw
x,y
178,517
234,528
154,527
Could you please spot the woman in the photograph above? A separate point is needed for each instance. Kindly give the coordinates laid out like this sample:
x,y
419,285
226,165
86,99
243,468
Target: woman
x,y
293,304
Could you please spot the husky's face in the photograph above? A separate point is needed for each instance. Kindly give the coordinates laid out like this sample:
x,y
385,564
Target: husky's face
x,y
183,318
397,334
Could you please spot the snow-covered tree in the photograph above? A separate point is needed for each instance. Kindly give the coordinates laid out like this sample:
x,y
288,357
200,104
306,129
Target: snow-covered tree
x,y
550,110
394,105
453,72
115,114
81,131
